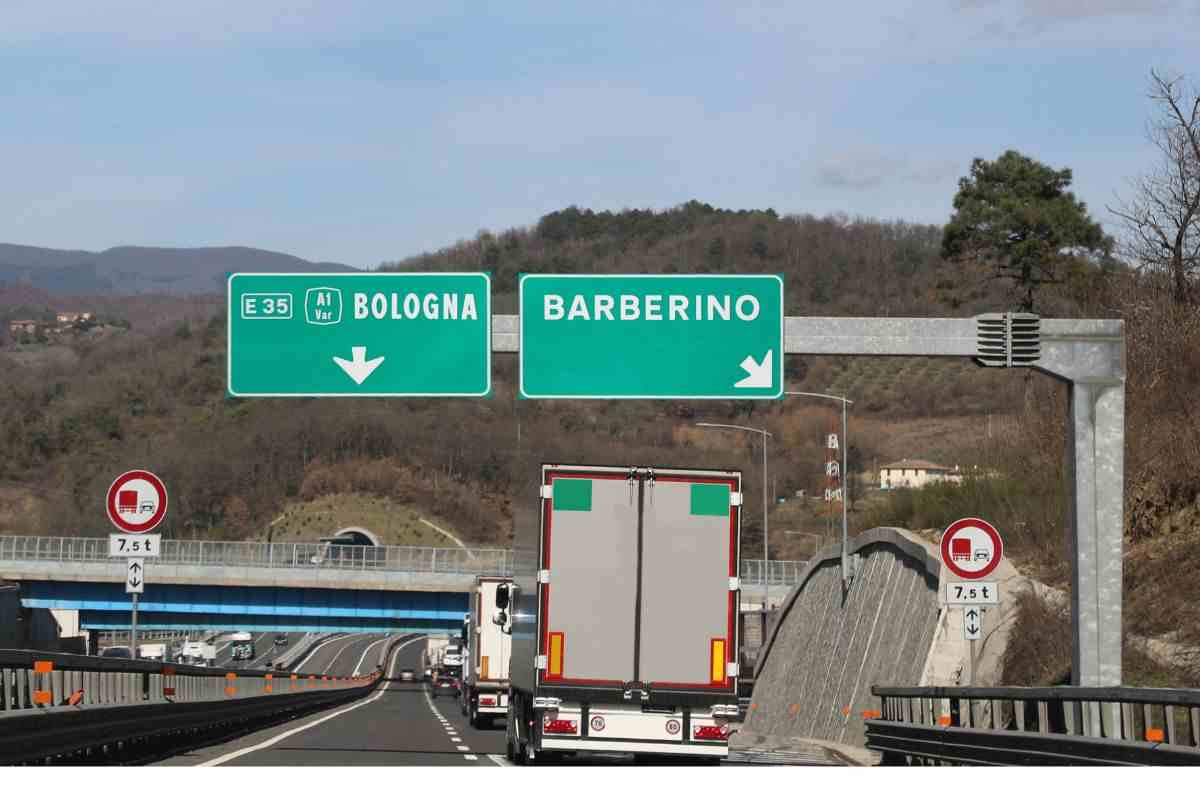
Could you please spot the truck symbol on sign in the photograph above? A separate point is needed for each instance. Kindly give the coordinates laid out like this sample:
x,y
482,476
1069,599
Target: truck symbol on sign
x,y
960,549
127,501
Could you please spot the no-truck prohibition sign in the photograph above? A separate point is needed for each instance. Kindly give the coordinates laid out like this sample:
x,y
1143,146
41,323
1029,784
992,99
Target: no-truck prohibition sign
x,y
971,548
136,501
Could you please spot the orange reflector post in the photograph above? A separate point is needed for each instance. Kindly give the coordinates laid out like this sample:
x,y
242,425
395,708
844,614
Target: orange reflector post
x,y
717,660
1154,734
76,697
794,708
230,676
554,668
944,720
871,714
41,698
43,666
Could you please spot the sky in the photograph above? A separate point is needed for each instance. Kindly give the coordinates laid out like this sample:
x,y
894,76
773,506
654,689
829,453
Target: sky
x,y
365,131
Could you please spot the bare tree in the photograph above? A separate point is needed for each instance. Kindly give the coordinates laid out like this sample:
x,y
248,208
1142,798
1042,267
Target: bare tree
x,y
1162,219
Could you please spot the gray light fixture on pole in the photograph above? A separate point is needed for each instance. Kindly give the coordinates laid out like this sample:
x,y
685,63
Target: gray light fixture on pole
x,y
846,571
766,504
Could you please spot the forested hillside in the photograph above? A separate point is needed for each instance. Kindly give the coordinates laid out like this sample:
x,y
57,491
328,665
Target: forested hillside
x,y
157,398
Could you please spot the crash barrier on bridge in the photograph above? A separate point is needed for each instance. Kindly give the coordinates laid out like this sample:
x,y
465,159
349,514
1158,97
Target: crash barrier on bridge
x,y
312,556
147,708
830,644
1058,725
31,679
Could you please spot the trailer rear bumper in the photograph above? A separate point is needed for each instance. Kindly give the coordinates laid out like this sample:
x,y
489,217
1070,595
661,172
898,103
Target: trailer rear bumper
x,y
720,750
498,704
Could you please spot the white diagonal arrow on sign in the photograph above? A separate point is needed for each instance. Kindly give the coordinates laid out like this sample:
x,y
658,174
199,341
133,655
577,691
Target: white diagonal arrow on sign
x,y
358,368
761,375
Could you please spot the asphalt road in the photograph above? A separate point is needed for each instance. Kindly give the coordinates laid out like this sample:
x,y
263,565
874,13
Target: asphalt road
x,y
398,724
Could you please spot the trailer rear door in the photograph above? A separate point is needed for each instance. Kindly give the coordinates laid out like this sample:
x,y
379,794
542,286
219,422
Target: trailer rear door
x,y
689,552
589,548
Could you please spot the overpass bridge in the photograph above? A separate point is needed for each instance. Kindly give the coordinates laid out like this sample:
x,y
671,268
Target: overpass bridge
x,y
281,587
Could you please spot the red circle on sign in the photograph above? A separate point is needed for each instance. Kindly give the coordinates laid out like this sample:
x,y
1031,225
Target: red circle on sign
x,y
597,723
121,507
672,726
959,548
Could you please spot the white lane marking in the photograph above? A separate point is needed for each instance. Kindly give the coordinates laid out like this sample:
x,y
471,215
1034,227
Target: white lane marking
x,y
500,761
358,666
351,641
277,739
463,747
470,757
455,739
335,638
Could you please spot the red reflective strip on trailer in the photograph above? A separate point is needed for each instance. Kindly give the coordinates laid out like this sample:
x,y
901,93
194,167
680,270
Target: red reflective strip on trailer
x,y
168,691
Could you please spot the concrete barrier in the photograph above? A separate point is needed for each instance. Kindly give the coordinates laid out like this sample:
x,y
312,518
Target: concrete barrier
x,y
829,646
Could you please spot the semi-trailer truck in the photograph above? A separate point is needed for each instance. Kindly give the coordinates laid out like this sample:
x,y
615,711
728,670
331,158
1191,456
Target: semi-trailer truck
x,y
623,613
488,647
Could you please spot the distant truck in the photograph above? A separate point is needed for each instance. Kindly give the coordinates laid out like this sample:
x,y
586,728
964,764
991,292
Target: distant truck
x,y
153,652
242,648
623,613
200,654
489,645
429,658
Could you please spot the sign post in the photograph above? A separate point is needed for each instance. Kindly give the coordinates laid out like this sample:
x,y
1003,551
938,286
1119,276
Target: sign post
x,y
134,581
376,334
651,336
136,503
971,549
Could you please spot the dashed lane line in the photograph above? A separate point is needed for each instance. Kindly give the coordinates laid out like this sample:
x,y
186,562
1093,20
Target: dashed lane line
x,y
500,761
358,666
277,739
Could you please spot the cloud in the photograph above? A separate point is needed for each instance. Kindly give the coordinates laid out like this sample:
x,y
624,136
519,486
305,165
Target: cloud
x,y
859,170
213,22
1078,9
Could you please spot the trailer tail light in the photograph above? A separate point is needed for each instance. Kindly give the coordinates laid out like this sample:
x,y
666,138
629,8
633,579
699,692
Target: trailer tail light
x,y
554,664
710,732
487,701
560,726
717,661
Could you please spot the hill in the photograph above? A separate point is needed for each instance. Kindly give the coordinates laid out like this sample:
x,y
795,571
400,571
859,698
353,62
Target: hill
x,y
156,398
143,270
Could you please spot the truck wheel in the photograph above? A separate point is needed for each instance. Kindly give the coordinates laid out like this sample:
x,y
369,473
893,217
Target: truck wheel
x,y
473,717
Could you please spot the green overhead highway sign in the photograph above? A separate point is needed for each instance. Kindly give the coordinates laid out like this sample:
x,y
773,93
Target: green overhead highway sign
x,y
651,336
379,334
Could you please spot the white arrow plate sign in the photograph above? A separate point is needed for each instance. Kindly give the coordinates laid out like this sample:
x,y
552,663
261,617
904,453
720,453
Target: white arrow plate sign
x,y
135,576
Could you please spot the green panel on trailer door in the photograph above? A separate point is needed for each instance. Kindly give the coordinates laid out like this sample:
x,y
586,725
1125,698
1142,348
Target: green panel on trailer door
x,y
572,494
710,499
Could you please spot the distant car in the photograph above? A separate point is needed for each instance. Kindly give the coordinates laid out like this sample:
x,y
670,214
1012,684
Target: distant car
x,y
443,683
115,652
407,675
281,640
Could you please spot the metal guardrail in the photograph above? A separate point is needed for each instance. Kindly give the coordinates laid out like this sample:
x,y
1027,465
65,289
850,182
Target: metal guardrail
x,y
312,556
142,720
31,679
1035,726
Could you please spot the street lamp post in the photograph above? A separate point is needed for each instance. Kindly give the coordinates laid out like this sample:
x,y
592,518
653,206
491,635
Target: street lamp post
x,y
844,479
766,504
